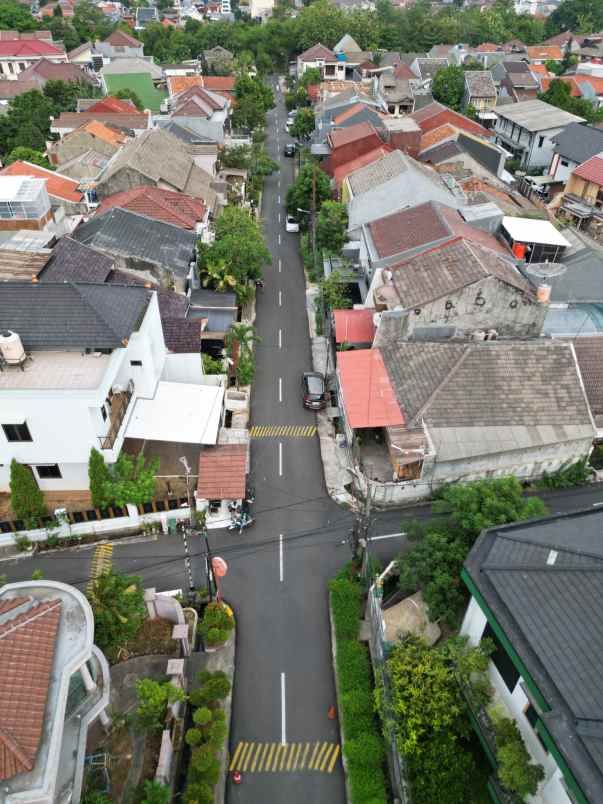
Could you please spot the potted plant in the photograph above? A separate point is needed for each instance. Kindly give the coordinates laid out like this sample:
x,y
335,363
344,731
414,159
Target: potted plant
x,y
216,625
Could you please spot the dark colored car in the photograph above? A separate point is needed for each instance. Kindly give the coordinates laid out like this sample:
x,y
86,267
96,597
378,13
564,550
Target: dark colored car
x,y
314,391
290,149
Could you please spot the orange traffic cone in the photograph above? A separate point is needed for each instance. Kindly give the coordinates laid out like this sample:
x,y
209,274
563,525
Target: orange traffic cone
x,y
332,713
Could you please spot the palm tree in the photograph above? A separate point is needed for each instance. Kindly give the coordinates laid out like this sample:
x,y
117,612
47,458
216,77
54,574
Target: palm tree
x,y
216,274
242,334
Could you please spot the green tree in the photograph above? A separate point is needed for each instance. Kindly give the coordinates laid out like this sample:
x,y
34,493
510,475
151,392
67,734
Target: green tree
x,y
15,16
448,86
156,793
154,697
334,292
117,602
559,94
129,94
239,244
26,499
515,770
214,687
300,193
64,94
303,125
27,122
244,335
212,365
22,153
131,480
571,15
311,76
331,227
98,478
253,99
90,22
473,507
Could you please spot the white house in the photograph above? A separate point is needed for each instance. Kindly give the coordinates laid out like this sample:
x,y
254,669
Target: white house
x,y
526,129
86,365
535,592
54,684
16,55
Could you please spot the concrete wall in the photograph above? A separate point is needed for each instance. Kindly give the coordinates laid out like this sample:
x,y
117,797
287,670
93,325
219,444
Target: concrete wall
x,y
503,309
184,368
124,179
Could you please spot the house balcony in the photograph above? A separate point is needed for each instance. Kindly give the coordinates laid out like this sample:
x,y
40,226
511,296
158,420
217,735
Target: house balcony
x,y
119,404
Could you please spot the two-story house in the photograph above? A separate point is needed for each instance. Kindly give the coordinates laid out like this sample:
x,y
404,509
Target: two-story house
x,y
480,93
85,365
572,146
526,130
120,45
535,589
16,55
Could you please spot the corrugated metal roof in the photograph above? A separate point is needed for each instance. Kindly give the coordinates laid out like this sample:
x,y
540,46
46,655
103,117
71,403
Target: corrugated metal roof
x,y
368,395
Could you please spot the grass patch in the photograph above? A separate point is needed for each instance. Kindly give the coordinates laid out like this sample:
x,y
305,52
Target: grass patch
x,y
141,83
363,747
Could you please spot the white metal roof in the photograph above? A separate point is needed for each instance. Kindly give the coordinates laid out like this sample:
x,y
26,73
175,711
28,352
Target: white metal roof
x,y
179,412
20,188
529,230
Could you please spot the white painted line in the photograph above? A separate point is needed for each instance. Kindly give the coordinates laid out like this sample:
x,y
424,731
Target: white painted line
x,y
279,217
280,389
280,339
386,536
280,458
283,712
280,266
596,504
280,558
279,239
279,199
280,298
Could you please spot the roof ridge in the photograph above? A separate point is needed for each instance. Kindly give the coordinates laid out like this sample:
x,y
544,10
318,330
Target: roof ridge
x,y
77,286
425,407
39,609
15,748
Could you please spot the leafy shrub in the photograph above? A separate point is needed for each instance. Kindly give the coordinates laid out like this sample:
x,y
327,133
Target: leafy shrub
x,y
363,744
574,474
216,624
199,793
22,543
155,793
153,700
202,716
193,737
26,499
515,769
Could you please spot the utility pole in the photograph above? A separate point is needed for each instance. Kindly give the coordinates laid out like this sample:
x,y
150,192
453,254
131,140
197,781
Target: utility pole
x,y
209,568
359,534
314,213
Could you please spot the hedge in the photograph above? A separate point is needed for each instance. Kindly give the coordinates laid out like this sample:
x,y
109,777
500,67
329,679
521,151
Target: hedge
x,y
363,745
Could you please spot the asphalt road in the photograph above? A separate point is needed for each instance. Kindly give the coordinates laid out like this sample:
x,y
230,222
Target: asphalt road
x,y
278,569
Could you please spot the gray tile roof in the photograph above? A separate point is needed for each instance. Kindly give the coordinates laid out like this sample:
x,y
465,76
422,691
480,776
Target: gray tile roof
x,y
128,234
442,152
487,397
480,84
579,142
379,172
581,280
449,268
537,115
202,297
72,261
162,157
551,614
71,315
429,67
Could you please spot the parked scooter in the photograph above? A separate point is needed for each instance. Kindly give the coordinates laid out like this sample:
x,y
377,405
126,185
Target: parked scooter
x,y
242,521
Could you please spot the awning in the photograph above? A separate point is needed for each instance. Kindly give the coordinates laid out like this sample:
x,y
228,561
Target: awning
x,y
368,395
529,230
354,326
181,412
487,116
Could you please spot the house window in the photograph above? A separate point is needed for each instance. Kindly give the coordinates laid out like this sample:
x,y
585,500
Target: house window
x,y
137,363
214,506
565,163
6,210
540,142
502,661
49,471
532,716
17,432
104,413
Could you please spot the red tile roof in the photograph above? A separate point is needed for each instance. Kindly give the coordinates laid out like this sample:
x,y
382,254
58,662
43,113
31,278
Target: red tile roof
x,y
354,326
178,83
219,83
368,396
6,36
591,170
111,105
575,91
404,71
54,71
57,185
545,52
435,115
222,472
72,120
317,52
437,135
487,47
103,132
349,112
29,47
343,136
595,82
27,645
120,37
340,172
164,205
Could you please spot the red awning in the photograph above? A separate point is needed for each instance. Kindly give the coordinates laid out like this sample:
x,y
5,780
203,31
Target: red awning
x,y
368,395
354,326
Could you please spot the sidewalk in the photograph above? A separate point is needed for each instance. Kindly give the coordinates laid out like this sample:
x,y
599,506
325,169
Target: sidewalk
x,y
338,468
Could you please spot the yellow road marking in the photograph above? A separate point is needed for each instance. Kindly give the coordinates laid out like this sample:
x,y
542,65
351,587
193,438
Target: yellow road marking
x,y
310,763
297,753
269,759
282,431
291,753
243,757
333,759
284,756
253,756
233,762
264,752
280,750
318,759
323,764
303,762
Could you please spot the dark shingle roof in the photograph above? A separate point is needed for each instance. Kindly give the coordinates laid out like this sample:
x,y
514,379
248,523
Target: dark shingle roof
x,y
579,142
182,336
74,262
127,233
442,153
543,582
71,315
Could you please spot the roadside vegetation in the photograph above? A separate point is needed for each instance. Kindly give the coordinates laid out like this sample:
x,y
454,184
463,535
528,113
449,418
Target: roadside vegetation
x,y
363,745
